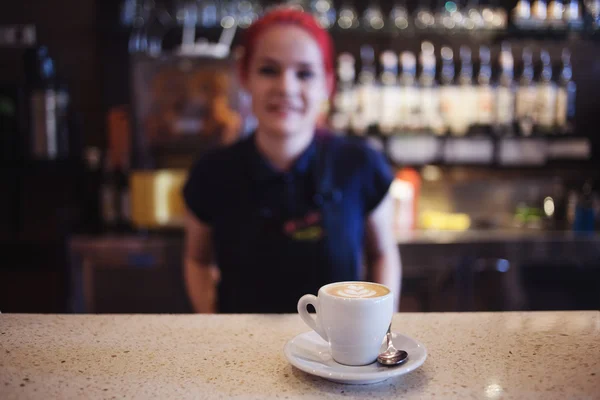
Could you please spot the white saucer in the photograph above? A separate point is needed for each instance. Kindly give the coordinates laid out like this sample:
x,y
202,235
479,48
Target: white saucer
x,y
310,353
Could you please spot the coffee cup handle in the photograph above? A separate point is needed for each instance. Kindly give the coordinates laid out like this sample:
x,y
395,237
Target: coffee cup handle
x,y
305,315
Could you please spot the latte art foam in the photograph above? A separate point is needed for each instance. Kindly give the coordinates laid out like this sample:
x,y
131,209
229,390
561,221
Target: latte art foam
x,y
357,290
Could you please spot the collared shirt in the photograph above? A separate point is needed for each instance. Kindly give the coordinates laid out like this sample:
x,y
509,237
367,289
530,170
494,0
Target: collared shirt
x,y
280,235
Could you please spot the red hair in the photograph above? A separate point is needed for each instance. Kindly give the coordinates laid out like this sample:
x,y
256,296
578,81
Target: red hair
x,y
293,17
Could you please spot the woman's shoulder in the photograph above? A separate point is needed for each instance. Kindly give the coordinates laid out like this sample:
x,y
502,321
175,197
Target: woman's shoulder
x,y
357,150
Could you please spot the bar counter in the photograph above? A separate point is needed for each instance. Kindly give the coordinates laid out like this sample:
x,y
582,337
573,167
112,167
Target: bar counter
x,y
538,355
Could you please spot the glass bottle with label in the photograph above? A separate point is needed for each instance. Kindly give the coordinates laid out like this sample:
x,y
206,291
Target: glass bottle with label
x,y
399,17
565,97
485,93
389,91
424,17
572,14
526,98
462,116
448,90
41,75
368,93
505,93
556,11
408,94
324,12
348,17
539,13
344,100
521,14
430,119
546,97
373,17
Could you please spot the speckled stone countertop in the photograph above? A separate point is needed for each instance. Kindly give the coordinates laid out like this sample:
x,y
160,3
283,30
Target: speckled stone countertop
x,y
479,356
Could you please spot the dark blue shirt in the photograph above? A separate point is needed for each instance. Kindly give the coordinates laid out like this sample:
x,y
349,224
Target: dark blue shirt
x,y
280,235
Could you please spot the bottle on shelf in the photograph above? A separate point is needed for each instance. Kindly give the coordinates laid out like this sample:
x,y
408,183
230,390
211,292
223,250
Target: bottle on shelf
x,y
546,97
430,119
473,18
373,17
324,12
48,106
463,115
484,118
344,100
390,95
399,15
539,13
367,94
572,15
526,96
448,90
505,93
423,16
408,95
521,14
556,11
115,193
565,96
347,16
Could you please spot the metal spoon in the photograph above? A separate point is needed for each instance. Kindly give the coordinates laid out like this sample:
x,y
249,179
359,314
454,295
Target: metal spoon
x,y
392,356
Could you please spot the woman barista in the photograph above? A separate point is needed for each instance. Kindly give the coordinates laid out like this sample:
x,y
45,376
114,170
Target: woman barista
x,y
289,208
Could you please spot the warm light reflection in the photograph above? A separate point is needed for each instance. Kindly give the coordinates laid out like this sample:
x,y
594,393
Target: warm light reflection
x,y
431,173
549,206
493,391
163,184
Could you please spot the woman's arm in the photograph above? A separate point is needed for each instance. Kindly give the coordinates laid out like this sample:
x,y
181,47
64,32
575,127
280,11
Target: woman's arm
x,y
201,276
382,251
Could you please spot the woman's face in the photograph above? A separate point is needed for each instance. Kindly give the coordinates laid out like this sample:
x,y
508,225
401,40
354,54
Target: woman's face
x,y
287,81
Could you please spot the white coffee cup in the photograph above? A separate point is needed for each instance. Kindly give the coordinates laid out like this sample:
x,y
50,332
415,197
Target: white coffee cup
x,y
353,317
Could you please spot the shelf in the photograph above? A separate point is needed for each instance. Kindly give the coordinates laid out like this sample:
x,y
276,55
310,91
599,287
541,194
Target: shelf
x,y
510,152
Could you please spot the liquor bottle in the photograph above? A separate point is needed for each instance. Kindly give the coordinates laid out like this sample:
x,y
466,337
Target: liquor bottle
x,y
430,119
546,97
505,93
399,15
499,16
521,14
117,183
526,97
408,94
40,73
368,94
572,14
565,97
390,95
344,100
485,93
443,17
324,12
556,11
424,18
539,13
348,17
462,116
473,18
448,91
373,17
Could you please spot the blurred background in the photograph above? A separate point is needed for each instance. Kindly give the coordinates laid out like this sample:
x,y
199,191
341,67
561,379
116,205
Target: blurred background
x,y
487,111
